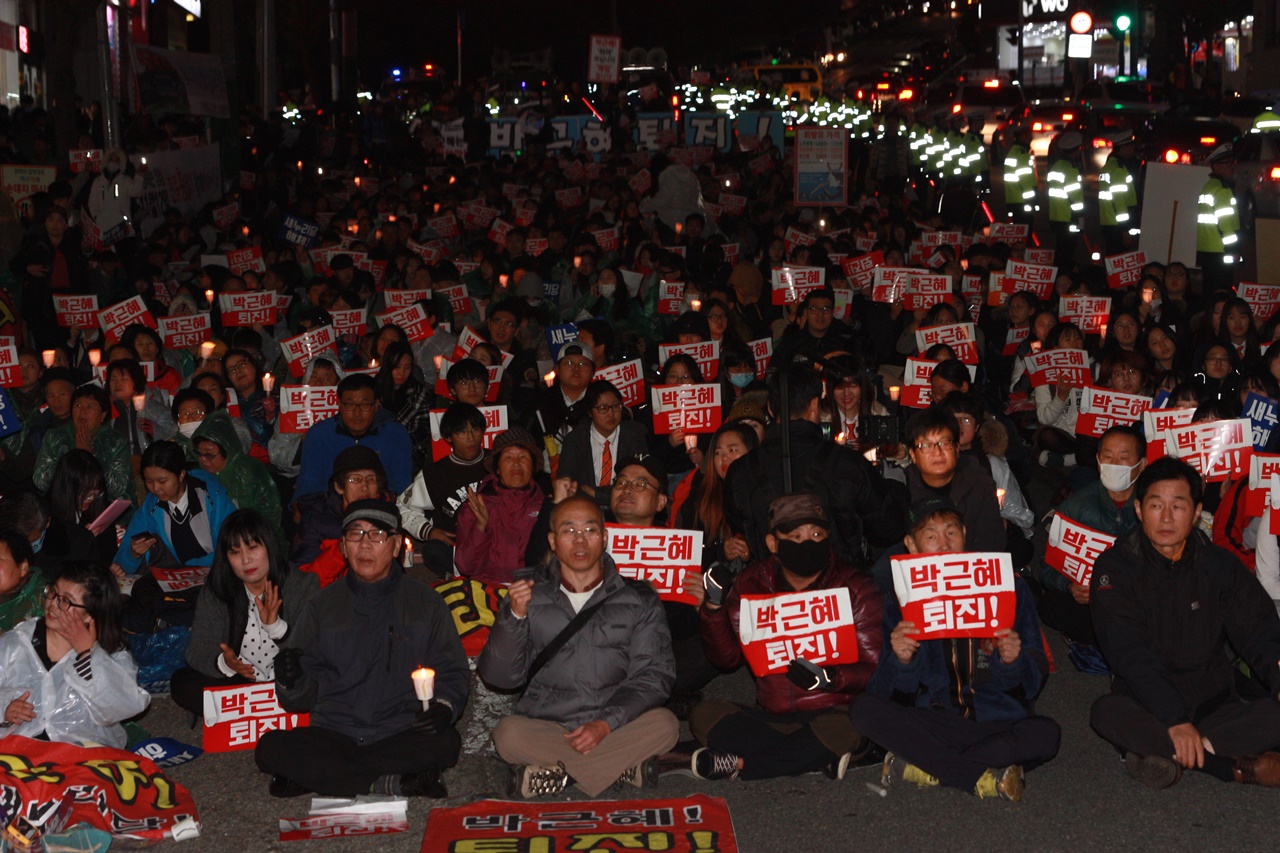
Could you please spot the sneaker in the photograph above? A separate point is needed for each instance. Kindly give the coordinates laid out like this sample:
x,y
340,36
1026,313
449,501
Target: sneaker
x,y
530,780
285,788
1005,783
708,763
427,783
898,770
1154,771
836,769
643,775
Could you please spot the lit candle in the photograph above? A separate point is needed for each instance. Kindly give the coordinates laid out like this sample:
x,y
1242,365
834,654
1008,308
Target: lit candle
x,y
679,228
139,400
894,392
841,438
408,552
95,357
695,304
244,230
453,179
48,356
577,261
1148,294
437,359
357,181
1000,497
319,170
424,684
690,442
299,165
550,379
726,183
206,350
1103,330
373,362
502,280
1035,346
435,208
268,382
208,297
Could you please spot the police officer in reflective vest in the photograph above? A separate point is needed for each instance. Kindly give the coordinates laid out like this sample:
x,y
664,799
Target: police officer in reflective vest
x,y
1218,222
1266,120
1118,207
1020,178
1066,199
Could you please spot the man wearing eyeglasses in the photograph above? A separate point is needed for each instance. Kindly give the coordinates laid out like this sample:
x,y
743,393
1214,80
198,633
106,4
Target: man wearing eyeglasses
x,y
559,408
938,469
349,662
357,475
816,330
359,421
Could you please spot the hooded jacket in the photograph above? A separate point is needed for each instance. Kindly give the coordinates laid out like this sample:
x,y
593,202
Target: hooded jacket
x,y
492,555
246,480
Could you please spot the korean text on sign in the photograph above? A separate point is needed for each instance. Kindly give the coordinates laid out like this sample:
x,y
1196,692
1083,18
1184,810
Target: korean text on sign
x,y
76,311
692,408
495,423
236,717
304,406
114,319
951,596
1124,270
1059,365
791,284
628,378
186,330
300,349
1217,449
959,336
248,309
1102,408
657,555
817,625
705,353
1073,548
1088,312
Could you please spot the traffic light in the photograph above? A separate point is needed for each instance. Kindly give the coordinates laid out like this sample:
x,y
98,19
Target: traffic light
x,y
1123,22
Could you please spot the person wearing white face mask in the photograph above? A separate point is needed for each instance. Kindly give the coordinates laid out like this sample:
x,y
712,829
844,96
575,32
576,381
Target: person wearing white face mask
x,y
1105,506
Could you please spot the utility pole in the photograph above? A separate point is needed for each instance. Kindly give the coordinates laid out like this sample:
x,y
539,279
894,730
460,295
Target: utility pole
x,y
110,103
335,52
267,79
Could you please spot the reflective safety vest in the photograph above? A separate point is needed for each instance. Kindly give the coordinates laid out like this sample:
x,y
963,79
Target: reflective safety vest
x,y
976,162
1066,191
1217,220
1266,120
1020,178
1117,195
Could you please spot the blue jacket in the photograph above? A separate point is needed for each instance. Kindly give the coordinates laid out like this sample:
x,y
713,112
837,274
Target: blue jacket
x,y
994,690
150,519
325,440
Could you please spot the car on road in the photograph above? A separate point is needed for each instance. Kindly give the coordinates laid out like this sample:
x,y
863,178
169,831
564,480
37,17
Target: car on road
x,y
1100,128
1183,139
992,99
1106,93
1044,120
1258,175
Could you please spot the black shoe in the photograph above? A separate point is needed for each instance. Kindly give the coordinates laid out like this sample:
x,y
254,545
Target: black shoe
x,y
871,754
1154,771
285,788
428,783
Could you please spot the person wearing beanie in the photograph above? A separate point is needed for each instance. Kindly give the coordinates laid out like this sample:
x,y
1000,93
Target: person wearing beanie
x,y
349,661
495,523
357,475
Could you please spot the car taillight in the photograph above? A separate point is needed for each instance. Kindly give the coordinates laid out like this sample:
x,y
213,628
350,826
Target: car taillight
x,y
1208,140
882,87
955,108
1068,116
991,84
906,95
1101,143
1037,126
1171,156
1275,173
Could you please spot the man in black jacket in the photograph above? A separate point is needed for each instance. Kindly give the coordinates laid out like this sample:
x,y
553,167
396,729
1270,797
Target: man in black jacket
x,y
865,508
1166,603
349,663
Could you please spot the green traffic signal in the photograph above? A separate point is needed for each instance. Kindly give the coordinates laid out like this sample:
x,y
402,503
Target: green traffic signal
x,y
1123,22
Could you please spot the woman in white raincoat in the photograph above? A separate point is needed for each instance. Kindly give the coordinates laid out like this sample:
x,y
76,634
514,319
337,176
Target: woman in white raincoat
x,y
67,675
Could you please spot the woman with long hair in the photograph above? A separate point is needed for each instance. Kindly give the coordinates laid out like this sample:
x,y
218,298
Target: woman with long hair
x,y
401,394
244,612
700,504
78,495
850,398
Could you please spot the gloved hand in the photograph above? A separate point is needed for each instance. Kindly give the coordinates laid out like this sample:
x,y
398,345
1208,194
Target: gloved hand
x,y
809,676
718,578
288,667
433,719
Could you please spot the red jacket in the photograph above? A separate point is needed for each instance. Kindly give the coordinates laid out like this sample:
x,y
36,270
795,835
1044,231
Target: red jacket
x,y
1230,521
775,693
494,554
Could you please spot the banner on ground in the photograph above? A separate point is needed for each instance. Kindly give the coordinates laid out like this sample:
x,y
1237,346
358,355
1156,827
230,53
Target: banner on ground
x,y
817,625
1073,548
660,556
953,596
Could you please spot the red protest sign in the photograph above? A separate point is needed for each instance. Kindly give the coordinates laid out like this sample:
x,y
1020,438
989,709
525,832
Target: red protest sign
x,y
459,298
300,349
186,331
1125,269
1102,408
241,261
376,269
641,181
924,290
496,422
791,284
1038,278
1054,366
692,408
1073,548
762,351
1262,298
1218,449
113,320
817,625
608,239
859,269
469,340
794,237
445,226
403,298
432,252
733,204
917,391
1008,232
889,284
341,824
225,216
961,337
954,596
535,246
86,160
350,322
1013,339
498,231
248,309
1157,423
412,318
490,394
10,371
304,406
659,556
1090,313
178,579
628,378
605,59
732,253
1039,256
570,197
1263,496
236,717
705,353
670,297
697,823
76,311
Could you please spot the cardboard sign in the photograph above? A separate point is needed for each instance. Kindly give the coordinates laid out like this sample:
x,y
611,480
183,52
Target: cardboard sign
x,y
498,231
304,406
762,351
496,422
186,331
917,391
446,227
1263,497
815,625
706,354
176,580
86,160
961,337
793,237
22,182
1261,412
1013,339
889,284
241,261
300,349
792,284
535,246
10,370
955,596
1218,449
628,378
225,216
570,197
1102,408
403,298
1262,298
432,252
605,59
657,555
1039,256
924,290
491,392
248,309
412,319
297,231
733,204
1073,548
693,408
642,181
1157,423
1124,270
1008,232
349,322
1053,366
115,319
459,299
76,312
236,717
670,297
1038,278
469,340
1090,313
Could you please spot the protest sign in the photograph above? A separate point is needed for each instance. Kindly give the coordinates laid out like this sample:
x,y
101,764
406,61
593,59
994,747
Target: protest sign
x,y
300,349
1013,339
762,351
459,299
412,319
605,59
304,406
1217,449
115,319
1073,548
1054,366
917,390
1125,269
298,231
1008,232
821,166
691,408
76,311
495,372
961,337
349,322
1156,425
403,298
924,290
859,269
705,353
791,284
180,332
628,378
817,625
1261,412
178,579
1090,313
955,596
1102,408
1262,298
496,422
659,556
1037,278
248,309
236,717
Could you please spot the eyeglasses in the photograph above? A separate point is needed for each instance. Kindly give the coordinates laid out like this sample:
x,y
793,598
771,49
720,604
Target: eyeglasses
x,y
608,409
238,367
188,417
819,309
1217,359
588,532
59,600
718,317
636,485
944,446
357,407
207,454
355,534
507,323
91,495
577,365
366,480
679,377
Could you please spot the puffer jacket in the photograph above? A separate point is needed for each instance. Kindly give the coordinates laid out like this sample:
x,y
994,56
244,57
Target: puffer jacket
x,y
615,668
1091,506
492,555
246,480
775,693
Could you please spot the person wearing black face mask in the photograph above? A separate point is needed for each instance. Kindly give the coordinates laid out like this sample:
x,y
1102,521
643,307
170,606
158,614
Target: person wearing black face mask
x,y
800,720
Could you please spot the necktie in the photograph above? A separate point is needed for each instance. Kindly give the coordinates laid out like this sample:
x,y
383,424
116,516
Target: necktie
x,y
606,465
